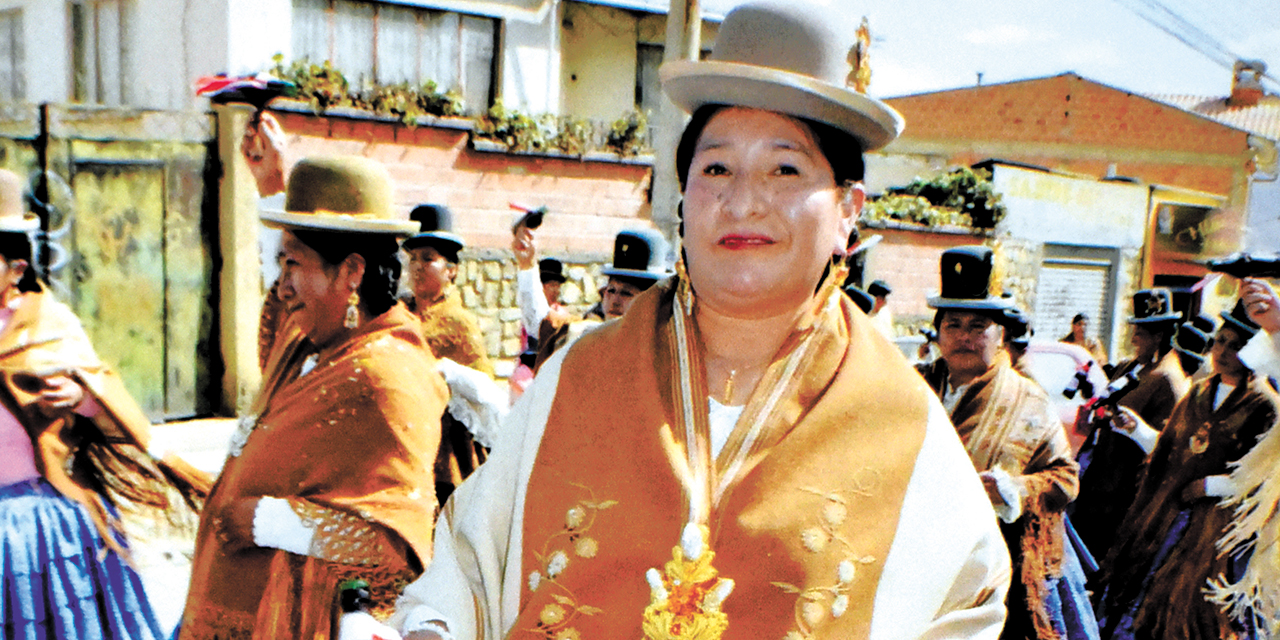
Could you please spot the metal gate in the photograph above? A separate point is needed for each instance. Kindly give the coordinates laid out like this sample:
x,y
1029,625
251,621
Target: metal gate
x,y
1075,280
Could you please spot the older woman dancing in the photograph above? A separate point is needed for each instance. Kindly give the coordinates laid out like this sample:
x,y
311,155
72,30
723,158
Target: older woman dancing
x,y
742,454
330,477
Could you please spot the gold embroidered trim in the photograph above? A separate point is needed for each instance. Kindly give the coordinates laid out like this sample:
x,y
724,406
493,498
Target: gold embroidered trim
x,y
341,537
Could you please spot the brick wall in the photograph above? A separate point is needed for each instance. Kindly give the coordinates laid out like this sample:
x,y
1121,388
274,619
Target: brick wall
x,y
589,201
907,259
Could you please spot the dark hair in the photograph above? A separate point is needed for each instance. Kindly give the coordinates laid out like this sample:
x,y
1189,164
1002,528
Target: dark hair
x,y
15,245
642,284
842,151
381,262
1078,317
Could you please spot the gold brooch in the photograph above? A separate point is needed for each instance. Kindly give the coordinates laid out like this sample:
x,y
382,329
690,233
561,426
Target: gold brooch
x,y
685,599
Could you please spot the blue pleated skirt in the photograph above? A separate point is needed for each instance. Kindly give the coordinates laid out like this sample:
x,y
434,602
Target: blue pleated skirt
x,y
60,582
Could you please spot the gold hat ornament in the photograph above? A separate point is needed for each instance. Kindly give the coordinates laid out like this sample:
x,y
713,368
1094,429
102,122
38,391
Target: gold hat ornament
x,y
13,204
339,194
795,57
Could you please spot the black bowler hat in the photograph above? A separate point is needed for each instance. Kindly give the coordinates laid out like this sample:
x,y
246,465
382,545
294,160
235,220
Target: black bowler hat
x,y
1017,327
966,281
1153,305
879,288
437,230
1239,320
640,254
1191,341
1204,323
861,298
551,270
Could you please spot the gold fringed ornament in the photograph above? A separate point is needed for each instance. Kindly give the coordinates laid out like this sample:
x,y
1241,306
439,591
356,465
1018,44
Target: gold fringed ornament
x,y
685,598
353,311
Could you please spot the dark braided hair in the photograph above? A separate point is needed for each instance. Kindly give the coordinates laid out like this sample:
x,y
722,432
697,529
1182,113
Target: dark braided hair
x,y
381,260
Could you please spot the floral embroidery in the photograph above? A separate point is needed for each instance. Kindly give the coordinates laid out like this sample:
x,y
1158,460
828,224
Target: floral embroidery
x,y
814,604
685,599
555,618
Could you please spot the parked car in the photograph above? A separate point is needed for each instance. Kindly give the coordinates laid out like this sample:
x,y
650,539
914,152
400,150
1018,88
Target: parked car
x,y
1070,375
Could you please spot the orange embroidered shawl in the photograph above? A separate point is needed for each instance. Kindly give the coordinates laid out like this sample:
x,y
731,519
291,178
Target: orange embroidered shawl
x,y
358,434
807,507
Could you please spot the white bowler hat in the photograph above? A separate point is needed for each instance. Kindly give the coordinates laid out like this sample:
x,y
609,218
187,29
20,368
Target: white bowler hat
x,y
789,56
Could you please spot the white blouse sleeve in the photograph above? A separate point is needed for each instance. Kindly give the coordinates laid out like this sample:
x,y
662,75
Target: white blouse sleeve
x,y
472,585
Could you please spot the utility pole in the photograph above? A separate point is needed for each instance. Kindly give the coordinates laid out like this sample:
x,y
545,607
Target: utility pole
x,y
684,42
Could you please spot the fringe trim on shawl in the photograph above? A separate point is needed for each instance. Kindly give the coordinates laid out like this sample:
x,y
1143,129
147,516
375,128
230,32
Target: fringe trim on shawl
x,y
1255,526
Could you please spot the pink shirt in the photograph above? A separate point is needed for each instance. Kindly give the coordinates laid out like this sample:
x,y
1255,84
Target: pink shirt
x,y
17,456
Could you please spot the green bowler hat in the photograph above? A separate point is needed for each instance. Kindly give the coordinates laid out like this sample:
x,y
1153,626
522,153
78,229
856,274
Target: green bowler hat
x,y
344,193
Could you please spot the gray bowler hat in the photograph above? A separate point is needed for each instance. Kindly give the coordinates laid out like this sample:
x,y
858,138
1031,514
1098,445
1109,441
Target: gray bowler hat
x,y
788,56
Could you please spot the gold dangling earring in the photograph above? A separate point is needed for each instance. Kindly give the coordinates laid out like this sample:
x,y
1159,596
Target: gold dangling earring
x,y
353,311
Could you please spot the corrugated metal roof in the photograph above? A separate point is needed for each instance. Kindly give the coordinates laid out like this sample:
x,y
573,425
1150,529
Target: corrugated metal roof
x,y
1262,119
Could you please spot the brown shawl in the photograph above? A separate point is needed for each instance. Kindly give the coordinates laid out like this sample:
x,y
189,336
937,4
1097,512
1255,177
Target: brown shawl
x,y
818,487
356,434
1006,421
92,461
1197,441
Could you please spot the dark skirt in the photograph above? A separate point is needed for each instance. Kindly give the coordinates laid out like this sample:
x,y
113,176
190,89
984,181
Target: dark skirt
x,y
60,580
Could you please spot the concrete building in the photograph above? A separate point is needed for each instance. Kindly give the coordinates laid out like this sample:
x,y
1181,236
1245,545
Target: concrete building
x,y
588,58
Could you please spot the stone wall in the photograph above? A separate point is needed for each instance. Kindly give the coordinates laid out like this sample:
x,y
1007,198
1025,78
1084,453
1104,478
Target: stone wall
x,y
487,283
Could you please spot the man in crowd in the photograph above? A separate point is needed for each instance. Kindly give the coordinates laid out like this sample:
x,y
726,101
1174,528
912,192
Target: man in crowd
x,y
1015,439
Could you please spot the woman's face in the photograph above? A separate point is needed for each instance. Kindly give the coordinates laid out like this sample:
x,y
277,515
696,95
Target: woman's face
x,y
11,272
1078,328
762,213
314,291
1226,352
429,272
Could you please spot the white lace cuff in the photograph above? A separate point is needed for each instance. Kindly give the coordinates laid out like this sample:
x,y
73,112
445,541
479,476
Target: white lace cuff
x,y
278,526
1011,492
424,618
475,400
1218,486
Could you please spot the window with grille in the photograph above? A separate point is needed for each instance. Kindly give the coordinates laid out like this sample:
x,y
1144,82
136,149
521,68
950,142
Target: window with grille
x,y
382,43
97,50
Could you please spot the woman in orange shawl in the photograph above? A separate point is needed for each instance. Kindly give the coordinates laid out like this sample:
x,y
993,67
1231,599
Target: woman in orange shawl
x,y
740,455
330,476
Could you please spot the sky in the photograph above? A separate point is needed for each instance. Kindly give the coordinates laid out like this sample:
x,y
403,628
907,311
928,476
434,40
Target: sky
x,y
932,45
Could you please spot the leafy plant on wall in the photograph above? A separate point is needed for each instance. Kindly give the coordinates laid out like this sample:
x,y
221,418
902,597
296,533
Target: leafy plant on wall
x,y
961,197
628,135
325,87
